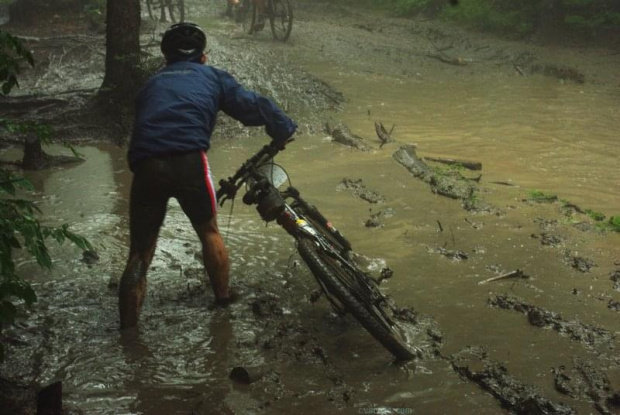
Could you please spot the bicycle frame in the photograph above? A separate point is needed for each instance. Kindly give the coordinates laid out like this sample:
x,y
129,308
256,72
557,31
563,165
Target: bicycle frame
x,y
263,194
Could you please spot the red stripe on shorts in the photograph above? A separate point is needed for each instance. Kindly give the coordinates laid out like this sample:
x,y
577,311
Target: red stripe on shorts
x,y
209,182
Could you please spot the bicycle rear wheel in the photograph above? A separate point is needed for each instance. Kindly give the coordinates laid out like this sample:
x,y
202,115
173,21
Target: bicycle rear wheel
x,y
281,19
333,275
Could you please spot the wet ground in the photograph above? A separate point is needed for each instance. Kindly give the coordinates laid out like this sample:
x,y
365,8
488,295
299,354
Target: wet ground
x,y
543,343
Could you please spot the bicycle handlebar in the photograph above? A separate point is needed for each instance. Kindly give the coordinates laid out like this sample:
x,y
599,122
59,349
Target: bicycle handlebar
x,y
229,187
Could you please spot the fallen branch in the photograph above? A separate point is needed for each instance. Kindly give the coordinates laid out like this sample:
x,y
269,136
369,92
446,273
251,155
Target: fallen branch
x,y
80,38
512,274
440,227
505,184
471,165
452,61
383,134
519,70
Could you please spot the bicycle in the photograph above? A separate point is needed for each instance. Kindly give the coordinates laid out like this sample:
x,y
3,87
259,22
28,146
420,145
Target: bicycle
x,y
279,13
176,8
322,247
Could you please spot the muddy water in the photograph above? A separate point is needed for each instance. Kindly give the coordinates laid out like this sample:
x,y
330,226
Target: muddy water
x,y
536,132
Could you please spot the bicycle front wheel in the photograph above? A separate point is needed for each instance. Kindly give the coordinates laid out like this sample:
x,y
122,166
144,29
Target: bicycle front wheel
x,y
177,10
281,19
333,276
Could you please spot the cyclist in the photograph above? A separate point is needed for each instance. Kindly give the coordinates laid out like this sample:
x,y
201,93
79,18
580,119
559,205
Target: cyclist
x,y
176,112
260,6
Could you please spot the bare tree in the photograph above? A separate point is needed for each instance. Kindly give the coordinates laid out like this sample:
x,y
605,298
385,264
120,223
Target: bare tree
x,y
122,50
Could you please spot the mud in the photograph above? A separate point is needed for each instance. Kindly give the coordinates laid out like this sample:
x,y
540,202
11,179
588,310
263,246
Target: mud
x,y
615,277
579,263
474,364
450,184
359,189
584,380
378,217
341,134
586,334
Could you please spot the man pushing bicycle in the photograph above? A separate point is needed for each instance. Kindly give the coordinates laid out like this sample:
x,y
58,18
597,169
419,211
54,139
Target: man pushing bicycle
x,y
176,111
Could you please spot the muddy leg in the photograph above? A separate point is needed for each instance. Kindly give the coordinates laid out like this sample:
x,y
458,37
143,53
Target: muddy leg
x,y
215,257
132,289
145,221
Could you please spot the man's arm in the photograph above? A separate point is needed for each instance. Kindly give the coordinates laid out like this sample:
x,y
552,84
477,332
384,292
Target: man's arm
x,y
252,109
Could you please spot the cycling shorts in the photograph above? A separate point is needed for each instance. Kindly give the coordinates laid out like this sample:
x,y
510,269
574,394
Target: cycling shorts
x,y
186,177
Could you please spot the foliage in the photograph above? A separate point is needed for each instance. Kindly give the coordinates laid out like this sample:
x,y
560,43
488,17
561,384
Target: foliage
x,y
487,15
12,52
540,196
406,7
614,223
517,17
19,228
597,216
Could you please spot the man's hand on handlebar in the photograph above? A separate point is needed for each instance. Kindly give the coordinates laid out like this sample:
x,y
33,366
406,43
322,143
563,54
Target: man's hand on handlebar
x,y
282,144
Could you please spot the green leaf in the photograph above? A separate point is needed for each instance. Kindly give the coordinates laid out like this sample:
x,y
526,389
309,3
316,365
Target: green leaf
x,y
79,241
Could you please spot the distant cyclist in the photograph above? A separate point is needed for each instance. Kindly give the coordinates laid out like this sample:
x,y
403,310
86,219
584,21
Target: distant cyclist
x,y
176,112
260,6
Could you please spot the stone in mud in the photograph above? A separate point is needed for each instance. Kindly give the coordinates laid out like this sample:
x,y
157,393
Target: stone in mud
x,y
546,224
582,264
473,363
549,240
613,305
247,374
453,255
376,218
90,258
341,134
584,226
615,277
373,223
266,307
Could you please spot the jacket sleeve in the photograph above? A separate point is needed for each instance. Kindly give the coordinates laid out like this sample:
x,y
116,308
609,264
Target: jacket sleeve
x,y
252,109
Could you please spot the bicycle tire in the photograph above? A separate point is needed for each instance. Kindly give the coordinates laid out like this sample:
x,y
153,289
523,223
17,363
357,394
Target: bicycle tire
x,y
150,9
248,14
370,320
176,8
281,19
316,219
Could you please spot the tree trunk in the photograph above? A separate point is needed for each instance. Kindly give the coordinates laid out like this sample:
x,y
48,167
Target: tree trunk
x,y
34,156
122,78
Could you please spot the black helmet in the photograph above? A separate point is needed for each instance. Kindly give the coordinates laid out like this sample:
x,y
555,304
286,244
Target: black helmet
x,y
183,40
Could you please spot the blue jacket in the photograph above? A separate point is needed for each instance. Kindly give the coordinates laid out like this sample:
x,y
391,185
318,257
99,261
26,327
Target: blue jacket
x,y
177,108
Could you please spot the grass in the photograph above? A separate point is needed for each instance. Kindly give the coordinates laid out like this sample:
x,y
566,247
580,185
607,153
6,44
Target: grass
x,y
597,216
612,225
541,197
